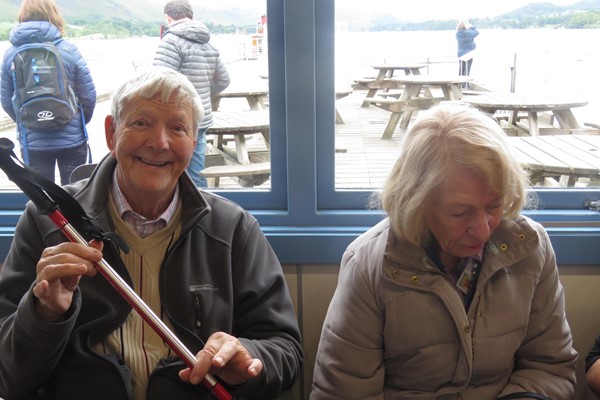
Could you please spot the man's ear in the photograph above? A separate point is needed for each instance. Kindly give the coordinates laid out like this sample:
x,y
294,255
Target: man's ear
x,y
109,132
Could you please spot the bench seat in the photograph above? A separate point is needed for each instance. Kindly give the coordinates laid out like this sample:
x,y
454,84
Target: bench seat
x,y
236,170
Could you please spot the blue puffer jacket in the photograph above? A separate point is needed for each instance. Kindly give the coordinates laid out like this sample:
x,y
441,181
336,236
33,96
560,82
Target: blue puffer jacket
x,y
466,40
78,74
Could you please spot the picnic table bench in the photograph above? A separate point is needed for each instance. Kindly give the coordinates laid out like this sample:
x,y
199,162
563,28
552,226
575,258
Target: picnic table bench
x,y
238,162
559,160
256,97
416,96
340,94
517,107
385,73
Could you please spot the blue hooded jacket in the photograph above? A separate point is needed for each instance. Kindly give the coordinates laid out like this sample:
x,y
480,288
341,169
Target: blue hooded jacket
x,y
73,134
466,40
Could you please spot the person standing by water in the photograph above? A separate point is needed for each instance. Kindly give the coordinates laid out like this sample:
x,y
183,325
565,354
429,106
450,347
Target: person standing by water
x,y
465,37
186,47
40,21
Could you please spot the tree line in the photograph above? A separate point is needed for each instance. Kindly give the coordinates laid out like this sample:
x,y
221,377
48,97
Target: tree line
x,y
119,28
114,28
579,20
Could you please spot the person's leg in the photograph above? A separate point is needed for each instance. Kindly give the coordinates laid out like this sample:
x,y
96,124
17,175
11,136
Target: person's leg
x,y
69,159
468,67
461,67
43,162
197,161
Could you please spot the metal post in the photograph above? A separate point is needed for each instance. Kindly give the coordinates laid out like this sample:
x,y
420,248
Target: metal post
x,y
513,74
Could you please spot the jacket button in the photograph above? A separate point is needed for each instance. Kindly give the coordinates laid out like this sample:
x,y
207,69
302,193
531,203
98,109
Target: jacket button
x,y
467,329
414,279
503,247
522,236
395,273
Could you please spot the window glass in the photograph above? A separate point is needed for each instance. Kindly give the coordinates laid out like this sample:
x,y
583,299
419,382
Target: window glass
x,y
238,141
534,66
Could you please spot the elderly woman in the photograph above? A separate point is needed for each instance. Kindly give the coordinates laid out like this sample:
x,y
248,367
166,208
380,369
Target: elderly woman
x,y
454,295
199,262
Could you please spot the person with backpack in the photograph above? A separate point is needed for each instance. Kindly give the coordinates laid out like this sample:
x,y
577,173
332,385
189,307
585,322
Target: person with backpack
x,y
48,90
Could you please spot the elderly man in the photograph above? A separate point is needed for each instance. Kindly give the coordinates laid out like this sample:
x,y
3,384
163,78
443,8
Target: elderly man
x,y
199,261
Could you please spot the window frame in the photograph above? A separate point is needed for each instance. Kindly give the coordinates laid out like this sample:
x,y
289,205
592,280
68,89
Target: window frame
x,y
307,220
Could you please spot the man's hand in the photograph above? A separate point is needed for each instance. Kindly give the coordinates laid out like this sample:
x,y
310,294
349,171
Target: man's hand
x,y
58,273
223,355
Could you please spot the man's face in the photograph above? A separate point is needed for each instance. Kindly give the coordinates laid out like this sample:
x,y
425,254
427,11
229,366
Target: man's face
x,y
153,144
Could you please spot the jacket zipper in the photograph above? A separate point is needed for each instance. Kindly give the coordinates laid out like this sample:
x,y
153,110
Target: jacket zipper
x,y
197,308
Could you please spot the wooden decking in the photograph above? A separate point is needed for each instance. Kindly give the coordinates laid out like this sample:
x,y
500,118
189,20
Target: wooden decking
x,y
362,159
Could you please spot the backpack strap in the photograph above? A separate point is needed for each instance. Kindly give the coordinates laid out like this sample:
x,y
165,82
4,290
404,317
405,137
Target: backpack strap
x,y
85,132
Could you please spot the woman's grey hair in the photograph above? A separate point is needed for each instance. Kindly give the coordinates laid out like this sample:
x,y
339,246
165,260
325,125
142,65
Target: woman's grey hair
x,y
445,135
161,81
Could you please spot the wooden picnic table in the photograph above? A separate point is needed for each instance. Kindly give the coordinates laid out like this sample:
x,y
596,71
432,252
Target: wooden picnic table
x,y
340,94
531,105
559,160
237,162
388,70
256,97
415,97
385,72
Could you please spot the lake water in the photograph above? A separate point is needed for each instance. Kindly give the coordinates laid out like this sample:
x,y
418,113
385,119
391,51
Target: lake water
x,y
564,63
561,62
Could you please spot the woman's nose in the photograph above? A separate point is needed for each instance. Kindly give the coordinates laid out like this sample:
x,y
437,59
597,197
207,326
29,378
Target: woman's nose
x,y
480,226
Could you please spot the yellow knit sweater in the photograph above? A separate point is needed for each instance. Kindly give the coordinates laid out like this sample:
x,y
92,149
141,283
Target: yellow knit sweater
x,y
139,346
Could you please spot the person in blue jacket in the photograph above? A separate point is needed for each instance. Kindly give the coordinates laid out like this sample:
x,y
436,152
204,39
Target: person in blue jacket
x,y
40,21
465,37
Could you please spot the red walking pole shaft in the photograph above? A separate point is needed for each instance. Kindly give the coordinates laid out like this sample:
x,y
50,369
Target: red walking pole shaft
x,y
140,307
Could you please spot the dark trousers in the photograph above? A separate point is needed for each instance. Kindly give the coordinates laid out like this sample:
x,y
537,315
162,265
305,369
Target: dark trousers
x,y
44,161
464,67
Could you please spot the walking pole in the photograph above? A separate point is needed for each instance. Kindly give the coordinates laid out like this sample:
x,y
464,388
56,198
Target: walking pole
x,y
47,206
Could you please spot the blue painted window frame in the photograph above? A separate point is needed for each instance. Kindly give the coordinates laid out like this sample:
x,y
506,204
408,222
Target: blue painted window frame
x,y
305,218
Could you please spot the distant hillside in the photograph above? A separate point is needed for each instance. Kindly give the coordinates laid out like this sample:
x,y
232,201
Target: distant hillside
x,y
545,9
535,14
139,11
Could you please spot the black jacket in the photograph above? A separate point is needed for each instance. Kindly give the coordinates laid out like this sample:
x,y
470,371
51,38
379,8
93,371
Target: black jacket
x,y
593,355
221,275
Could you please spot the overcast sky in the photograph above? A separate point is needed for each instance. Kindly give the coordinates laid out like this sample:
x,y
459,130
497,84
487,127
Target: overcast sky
x,y
421,9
